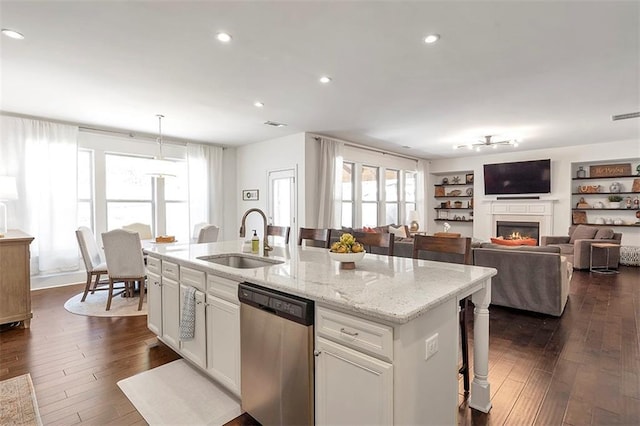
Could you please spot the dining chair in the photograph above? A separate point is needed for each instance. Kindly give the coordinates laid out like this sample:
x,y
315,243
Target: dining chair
x,y
196,231
123,252
208,234
317,237
458,250
142,229
279,231
383,240
93,262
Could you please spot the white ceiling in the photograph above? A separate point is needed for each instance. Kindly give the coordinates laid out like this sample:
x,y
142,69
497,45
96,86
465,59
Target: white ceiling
x,y
550,73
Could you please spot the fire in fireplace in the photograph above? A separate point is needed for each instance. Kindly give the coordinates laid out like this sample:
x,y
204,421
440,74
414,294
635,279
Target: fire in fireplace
x,y
518,230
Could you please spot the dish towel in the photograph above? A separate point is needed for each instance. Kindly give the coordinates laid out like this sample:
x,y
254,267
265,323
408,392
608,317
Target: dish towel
x,y
188,318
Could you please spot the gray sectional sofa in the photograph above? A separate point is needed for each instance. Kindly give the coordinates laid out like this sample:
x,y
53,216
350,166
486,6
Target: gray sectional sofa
x,y
531,278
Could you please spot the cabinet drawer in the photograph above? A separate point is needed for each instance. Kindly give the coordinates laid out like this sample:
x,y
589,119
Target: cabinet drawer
x,y
153,264
170,270
224,288
373,338
193,278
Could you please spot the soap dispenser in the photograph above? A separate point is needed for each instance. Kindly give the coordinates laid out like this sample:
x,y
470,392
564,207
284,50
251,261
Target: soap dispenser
x,y
255,243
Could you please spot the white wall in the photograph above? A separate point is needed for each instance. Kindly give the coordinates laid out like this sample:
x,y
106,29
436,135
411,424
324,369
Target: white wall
x,y
561,184
253,163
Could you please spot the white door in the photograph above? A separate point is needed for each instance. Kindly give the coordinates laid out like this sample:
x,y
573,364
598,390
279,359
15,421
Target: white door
x,y
282,207
352,388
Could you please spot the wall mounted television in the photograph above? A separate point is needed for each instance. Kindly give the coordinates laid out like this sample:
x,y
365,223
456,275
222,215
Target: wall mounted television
x,y
522,177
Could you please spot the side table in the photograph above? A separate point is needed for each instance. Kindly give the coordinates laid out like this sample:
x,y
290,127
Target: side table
x,y
602,269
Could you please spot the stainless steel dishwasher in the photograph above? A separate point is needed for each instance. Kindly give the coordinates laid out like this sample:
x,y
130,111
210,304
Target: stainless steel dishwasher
x,y
276,345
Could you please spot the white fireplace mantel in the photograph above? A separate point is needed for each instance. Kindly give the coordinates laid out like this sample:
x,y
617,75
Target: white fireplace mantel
x,y
527,210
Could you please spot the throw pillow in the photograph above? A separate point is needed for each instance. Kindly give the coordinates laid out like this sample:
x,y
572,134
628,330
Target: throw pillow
x,y
583,232
521,242
604,234
398,232
368,229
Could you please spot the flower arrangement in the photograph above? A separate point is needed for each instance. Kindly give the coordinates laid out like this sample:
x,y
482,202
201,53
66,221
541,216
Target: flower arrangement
x,y
347,244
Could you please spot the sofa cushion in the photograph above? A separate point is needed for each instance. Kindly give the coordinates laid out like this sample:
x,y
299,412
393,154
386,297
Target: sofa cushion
x,y
535,249
604,234
583,232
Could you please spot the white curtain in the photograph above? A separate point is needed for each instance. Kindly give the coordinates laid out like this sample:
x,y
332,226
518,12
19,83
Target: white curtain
x,y
43,158
205,184
421,190
330,205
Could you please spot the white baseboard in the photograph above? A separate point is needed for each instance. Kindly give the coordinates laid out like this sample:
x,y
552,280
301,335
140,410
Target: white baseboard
x,y
57,280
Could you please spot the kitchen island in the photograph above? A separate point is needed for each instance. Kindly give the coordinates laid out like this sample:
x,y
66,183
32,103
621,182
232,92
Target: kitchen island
x,y
386,332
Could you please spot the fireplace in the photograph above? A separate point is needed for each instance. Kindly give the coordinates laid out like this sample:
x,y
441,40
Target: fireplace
x,y
516,230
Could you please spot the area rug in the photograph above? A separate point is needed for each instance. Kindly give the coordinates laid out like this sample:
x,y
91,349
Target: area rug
x,y
18,405
95,305
177,393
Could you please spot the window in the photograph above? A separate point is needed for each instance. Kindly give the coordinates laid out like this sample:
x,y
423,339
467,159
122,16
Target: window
x,y
130,193
410,179
177,203
85,188
369,195
392,195
347,194
364,204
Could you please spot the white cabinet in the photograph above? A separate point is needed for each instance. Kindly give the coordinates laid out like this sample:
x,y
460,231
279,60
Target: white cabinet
x,y
354,374
352,388
223,331
196,348
170,305
154,295
223,342
154,303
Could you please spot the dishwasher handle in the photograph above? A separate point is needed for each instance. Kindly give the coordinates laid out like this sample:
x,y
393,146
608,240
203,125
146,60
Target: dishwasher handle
x,y
288,306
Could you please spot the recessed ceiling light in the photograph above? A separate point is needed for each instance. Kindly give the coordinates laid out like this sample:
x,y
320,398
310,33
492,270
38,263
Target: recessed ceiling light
x,y
223,37
258,104
12,34
431,38
324,79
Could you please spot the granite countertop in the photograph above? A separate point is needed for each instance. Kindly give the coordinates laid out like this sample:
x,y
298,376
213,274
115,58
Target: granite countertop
x,y
393,289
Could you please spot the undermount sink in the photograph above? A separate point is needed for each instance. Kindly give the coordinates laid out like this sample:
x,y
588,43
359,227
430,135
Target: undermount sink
x,y
240,261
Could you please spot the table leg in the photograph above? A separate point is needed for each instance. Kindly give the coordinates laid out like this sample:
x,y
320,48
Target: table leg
x,y
480,398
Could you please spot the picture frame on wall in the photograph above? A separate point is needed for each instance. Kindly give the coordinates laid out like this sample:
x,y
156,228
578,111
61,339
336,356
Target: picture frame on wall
x,y
443,214
250,195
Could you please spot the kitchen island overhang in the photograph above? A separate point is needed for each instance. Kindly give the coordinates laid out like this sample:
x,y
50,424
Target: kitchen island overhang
x,y
392,290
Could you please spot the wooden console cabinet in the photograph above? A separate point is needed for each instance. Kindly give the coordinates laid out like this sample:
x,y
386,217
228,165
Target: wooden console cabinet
x,y
15,282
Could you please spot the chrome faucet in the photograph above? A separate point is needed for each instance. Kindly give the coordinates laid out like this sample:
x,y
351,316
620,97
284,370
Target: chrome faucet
x,y
266,247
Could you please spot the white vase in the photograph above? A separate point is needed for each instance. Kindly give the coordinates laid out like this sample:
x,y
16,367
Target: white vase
x,y
614,204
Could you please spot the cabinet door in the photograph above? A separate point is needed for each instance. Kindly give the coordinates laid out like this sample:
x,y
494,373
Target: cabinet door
x,y
154,303
195,349
170,312
223,342
352,388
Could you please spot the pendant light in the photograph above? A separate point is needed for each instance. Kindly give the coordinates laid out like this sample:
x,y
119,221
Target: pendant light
x,y
161,168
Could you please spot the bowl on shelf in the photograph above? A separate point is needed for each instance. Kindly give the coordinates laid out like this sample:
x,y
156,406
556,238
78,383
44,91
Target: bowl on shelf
x,y
347,260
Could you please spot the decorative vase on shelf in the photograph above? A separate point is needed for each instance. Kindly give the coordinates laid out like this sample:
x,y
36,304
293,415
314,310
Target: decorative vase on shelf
x,y
581,173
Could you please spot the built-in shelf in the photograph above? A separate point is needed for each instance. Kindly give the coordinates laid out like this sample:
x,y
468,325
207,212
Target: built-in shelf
x,y
454,184
454,208
607,177
453,220
454,196
606,208
605,193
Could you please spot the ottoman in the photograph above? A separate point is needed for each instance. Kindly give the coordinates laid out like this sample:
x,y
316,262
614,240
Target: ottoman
x,y
630,255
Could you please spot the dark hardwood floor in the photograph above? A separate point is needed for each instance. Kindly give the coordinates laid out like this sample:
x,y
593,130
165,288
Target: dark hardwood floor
x,y
581,369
